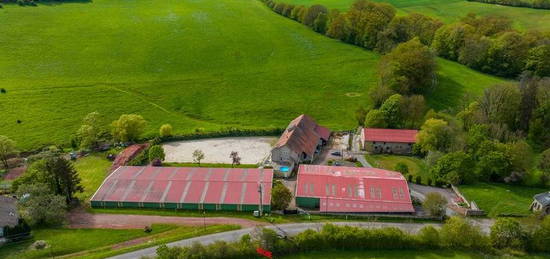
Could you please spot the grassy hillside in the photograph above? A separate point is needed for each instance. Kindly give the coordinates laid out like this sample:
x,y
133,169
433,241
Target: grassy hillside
x,y
195,64
452,10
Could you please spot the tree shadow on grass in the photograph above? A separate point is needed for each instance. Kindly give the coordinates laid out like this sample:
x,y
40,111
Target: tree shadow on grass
x,y
60,2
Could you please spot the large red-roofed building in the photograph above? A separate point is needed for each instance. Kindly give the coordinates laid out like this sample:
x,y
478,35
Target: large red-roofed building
x,y
194,188
340,189
395,141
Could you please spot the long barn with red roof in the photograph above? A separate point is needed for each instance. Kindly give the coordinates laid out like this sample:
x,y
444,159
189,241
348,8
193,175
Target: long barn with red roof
x,y
395,141
194,188
340,189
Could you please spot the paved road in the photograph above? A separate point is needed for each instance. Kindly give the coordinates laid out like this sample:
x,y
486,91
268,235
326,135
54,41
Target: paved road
x,y
420,192
289,229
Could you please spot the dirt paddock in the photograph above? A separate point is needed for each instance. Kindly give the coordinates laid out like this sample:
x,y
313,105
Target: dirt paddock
x,y
252,150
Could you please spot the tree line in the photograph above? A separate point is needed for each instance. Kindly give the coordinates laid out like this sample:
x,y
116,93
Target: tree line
x,y
507,236
494,138
537,4
488,44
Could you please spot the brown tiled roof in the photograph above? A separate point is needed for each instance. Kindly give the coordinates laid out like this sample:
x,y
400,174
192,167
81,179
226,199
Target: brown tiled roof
x,y
128,154
302,135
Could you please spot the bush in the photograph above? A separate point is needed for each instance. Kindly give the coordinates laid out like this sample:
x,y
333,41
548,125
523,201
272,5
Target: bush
x,y
435,204
165,131
402,168
418,179
508,233
410,178
458,233
280,196
156,152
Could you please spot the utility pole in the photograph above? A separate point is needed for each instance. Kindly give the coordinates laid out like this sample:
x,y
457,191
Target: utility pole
x,y
260,190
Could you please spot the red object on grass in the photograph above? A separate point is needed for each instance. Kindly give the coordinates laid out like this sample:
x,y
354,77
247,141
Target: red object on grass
x,y
264,252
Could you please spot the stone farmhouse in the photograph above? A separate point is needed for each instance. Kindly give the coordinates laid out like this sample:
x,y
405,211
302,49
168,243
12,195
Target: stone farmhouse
x,y
301,142
392,141
541,202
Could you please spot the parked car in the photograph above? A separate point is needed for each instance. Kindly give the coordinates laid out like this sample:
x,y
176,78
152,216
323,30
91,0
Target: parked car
x,y
337,163
336,153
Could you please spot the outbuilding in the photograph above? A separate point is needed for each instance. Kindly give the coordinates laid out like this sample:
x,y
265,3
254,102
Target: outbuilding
x,y
392,141
192,188
541,202
338,189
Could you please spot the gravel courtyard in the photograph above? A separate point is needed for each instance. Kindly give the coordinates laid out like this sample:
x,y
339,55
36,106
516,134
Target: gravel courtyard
x,y
252,150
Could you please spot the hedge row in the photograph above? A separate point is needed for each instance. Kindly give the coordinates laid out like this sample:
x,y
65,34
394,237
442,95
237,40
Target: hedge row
x,y
537,4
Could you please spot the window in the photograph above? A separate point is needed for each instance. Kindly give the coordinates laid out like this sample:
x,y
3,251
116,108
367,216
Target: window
x,y
372,193
311,188
401,193
334,189
394,193
327,189
348,190
306,189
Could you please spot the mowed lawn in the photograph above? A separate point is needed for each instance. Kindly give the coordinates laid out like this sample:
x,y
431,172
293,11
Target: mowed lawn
x,y
198,65
415,165
400,254
64,241
496,198
92,170
453,10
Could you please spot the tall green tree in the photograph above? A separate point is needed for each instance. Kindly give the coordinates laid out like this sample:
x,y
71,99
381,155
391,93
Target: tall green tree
x,y
91,131
66,180
508,233
409,68
156,152
7,149
435,204
454,168
280,196
391,109
435,135
313,13
128,127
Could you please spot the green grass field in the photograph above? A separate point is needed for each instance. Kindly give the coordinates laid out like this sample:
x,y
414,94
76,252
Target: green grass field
x,y
92,170
195,64
416,165
399,254
452,10
98,243
64,241
498,198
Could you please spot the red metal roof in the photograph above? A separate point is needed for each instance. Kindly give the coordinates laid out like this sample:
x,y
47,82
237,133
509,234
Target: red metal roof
x,y
354,189
302,135
186,185
390,135
128,154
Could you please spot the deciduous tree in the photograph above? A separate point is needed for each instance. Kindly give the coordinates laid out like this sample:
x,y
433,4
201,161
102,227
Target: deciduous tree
x,y
7,149
280,196
435,204
128,127
39,206
409,68
198,155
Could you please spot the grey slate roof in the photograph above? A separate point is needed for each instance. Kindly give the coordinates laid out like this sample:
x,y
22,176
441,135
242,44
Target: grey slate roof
x,y
8,212
543,198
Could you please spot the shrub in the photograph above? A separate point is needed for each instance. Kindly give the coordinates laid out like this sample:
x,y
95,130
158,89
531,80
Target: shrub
x,y
435,204
458,233
508,233
165,130
2,90
156,152
402,168
429,237
280,196
410,178
418,179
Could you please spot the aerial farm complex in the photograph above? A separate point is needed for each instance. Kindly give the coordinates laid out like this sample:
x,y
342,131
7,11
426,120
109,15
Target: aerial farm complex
x,y
317,188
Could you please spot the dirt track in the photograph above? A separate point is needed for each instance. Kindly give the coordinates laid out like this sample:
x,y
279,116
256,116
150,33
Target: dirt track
x,y
80,219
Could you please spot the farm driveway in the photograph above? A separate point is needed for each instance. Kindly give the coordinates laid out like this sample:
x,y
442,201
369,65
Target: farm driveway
x,y
252,150
81,219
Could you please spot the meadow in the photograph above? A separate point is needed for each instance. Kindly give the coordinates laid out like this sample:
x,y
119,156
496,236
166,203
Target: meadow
x,y
198,65
453,10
